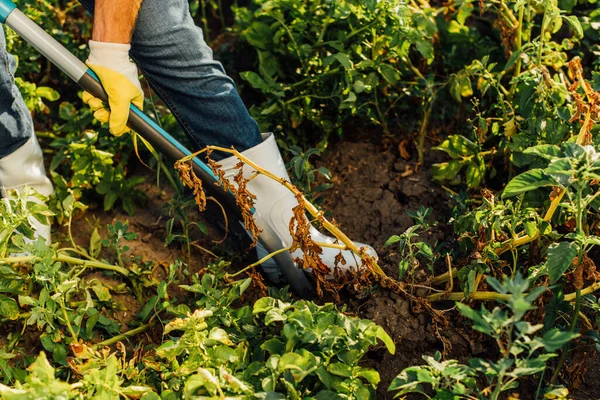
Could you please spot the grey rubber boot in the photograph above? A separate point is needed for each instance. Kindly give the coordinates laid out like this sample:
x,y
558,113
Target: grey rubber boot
x,y
275,203
25,167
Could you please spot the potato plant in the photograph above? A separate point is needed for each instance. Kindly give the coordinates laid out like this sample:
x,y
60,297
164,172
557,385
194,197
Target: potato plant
x,y
322,62
506,93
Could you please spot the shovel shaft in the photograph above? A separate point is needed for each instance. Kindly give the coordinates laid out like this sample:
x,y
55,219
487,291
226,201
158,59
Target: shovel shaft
x,y
152,132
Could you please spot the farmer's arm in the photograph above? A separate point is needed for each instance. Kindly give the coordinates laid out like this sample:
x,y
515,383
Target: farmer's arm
x,y
114,20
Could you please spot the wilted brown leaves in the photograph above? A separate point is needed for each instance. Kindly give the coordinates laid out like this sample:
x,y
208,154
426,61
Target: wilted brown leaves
x,y
243,198
189,179
588,106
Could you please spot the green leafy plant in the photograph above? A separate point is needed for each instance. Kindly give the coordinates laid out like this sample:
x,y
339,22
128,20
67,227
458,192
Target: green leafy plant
x,y
116,186
17,211
287,350
413,253
322,62
304,174
34,96
178,209
521,353
115,235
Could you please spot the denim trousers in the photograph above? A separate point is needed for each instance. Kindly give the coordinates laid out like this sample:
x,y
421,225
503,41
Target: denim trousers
x,y
178,64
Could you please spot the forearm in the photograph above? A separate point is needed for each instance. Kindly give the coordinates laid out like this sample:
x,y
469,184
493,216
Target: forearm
x,y
114,20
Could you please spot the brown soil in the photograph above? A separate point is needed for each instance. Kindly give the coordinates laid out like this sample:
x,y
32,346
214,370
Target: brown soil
x,y
373,189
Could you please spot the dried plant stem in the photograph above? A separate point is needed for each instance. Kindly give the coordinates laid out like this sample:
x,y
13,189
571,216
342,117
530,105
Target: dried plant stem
x,y
459,296
256,264
67,259
450,274
444,277
588,290
196,245
224,217
308,206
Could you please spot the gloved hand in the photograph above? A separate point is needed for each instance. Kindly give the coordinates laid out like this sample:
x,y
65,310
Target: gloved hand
x,y
119,76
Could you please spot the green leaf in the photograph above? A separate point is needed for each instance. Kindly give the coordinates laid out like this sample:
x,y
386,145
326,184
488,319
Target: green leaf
x,y
273,346
513,58
574,24
425,47
446,171
342,59
403,267
527,181
370,375
560,258
392,240
95,243
275,315
255,81
8,308
424,249
109,200
340,369
530,228
328,395
263,305
480,323
47,93
554,339
389,73
475,172
101,291
457,145
26,301
325,377
66,111
547,151
382,335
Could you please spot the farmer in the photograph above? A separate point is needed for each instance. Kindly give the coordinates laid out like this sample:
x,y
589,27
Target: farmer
x,y
162,39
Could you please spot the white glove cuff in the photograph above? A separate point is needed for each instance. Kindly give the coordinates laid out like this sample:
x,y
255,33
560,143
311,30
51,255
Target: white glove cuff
x,y
114,56
106,54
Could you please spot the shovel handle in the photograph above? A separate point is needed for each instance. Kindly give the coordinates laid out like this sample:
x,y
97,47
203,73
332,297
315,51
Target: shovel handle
x,y
152,132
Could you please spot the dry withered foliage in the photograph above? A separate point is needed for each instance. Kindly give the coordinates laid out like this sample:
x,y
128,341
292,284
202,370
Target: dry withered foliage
x,y
579,366
311,252
331,282
507,34
402,149
591,272
578,274
588,104
555,193
189,179
243,198
585,271
258,281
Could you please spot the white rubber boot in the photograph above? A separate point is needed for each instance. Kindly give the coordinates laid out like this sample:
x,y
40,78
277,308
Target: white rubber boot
x,y
275,203
25,167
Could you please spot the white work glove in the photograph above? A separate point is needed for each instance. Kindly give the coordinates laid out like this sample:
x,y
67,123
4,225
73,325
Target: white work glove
x,y
119,76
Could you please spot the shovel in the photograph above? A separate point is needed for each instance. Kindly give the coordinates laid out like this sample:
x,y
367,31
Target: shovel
x,y
154,134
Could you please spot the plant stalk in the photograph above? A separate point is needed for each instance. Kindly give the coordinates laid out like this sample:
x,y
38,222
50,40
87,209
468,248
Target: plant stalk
x,y
120,337
67,259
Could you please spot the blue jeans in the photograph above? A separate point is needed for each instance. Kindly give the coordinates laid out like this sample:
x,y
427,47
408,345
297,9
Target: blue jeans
x,y
16,126
171,52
